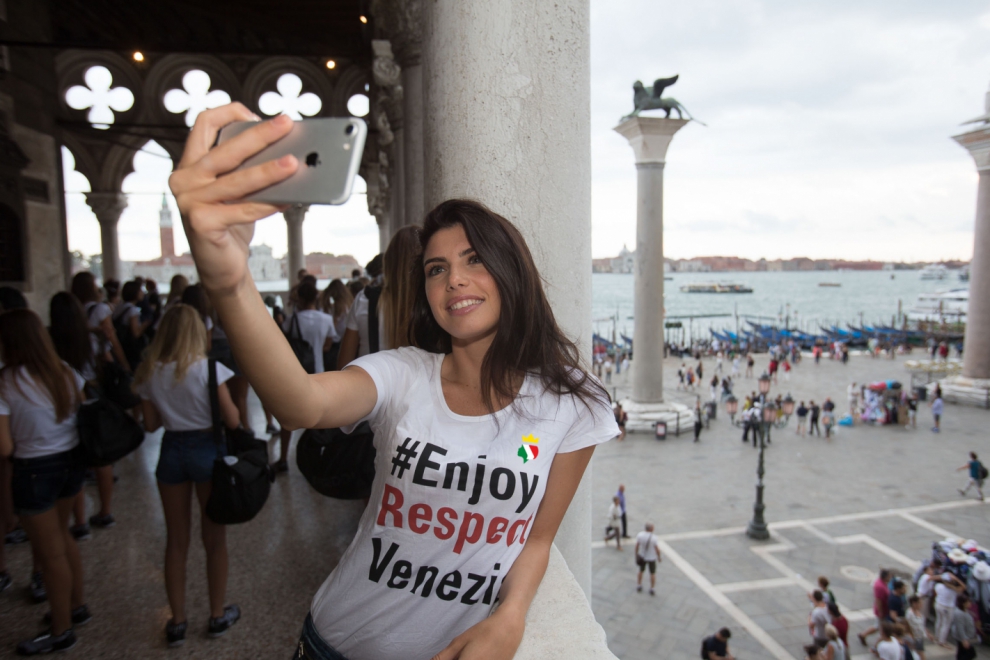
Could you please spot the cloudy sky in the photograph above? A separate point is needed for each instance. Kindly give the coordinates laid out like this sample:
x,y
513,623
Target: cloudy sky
x,y
828,134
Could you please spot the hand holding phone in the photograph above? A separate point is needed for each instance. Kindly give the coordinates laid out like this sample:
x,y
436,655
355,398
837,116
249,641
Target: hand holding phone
x,y
329,153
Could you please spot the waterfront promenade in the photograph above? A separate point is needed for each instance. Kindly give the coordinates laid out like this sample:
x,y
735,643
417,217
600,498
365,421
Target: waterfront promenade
x,y
869,497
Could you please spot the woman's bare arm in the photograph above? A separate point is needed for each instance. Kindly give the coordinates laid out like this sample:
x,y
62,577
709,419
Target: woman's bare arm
x,y
6,440
152,418
219,229
498,636
228,411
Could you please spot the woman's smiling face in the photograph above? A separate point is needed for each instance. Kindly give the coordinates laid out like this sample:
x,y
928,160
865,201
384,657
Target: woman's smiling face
x,y
462,293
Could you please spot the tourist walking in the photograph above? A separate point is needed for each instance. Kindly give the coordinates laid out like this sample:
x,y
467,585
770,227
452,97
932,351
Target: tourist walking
x,y
926,587
828,416
713,387
608,370
835,648
964,630
621,494
840,622
912,406
716,647
698,420
818,618
621,417
947,588
813,426
802,419
39,397
852,395
977,473
888,648
613,523
915,618
937,407
881,594
173,385
749,365
736,362
647,556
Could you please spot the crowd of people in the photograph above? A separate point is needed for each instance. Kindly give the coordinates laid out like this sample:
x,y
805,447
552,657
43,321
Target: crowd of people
x,y
430,345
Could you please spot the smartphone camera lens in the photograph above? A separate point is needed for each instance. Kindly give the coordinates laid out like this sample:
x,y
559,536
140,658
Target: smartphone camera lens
x,y
349,130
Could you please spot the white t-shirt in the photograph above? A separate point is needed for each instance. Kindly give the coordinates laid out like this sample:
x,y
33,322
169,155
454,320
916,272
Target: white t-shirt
x,y
357,320
646,546
451,506
125,313
890,650
95,313
183,405
33,426
944,596
314,326
340,324
925,585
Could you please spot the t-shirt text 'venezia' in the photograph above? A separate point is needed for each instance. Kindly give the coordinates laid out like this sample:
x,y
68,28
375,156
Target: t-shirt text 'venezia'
x,y
452,504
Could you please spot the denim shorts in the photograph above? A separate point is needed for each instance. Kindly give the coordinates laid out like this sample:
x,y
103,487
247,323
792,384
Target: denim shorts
x,y
313,647
38,482
187,456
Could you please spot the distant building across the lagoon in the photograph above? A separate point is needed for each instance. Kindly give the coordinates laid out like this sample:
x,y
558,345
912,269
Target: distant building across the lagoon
x,y
263,265
626,262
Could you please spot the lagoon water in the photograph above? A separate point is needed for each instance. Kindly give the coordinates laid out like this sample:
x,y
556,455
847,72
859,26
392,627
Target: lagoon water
x,y
775,295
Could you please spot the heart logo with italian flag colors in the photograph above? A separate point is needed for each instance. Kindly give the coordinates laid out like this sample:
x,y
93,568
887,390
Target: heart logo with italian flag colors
x,y
528,451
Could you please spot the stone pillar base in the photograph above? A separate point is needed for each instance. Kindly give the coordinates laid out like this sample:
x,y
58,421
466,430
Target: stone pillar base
x,y
644,416
966,391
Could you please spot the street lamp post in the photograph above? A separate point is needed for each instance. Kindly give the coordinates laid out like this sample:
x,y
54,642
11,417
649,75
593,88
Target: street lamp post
x,y
767,420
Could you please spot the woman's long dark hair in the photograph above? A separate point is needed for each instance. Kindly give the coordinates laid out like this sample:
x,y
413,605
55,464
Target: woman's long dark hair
x,y
69,331
527,339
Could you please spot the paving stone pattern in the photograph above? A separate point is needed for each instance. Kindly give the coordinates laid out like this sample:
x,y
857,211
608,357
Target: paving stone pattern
x,y
700,498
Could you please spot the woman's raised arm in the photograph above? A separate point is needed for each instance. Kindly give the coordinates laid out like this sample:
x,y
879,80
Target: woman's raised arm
x,y
219,229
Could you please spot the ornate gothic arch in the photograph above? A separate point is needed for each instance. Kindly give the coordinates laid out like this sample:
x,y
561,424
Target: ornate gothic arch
x,y
167,73
85,163
351,81
72,65
266,73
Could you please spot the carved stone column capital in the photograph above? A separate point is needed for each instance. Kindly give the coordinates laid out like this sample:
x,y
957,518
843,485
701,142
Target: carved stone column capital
x,y
107,206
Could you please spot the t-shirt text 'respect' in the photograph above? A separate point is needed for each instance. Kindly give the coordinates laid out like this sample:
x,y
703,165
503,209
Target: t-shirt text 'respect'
x,y
421,463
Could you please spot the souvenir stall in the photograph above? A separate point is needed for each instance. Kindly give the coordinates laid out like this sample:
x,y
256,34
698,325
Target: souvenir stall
x,y
882,403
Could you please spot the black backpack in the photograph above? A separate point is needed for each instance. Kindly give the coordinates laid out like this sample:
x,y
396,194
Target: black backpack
x,y
106,432
704,648
302,348
984,473
243,478
338,464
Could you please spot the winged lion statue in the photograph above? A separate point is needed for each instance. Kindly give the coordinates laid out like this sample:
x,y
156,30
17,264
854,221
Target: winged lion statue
x,y
650,98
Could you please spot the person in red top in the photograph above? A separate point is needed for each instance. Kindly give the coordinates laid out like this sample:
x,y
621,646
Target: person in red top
x,y
840,622
880,596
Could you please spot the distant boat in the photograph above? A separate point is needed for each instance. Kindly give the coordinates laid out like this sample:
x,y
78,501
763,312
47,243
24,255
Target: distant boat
x,y
829,284
964,274
715,287
934,272
941,306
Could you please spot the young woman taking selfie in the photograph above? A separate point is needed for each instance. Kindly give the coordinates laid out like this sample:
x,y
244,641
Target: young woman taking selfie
x,y
482,432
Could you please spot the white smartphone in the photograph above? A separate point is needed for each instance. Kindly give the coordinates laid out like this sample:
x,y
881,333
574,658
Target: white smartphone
x,y
329,153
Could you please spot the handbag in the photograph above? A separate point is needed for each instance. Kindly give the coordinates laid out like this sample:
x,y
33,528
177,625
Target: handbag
x,y
106,432
302,348
242,479
338,464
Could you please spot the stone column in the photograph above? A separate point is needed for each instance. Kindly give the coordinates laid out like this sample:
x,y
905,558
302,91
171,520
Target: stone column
x,y
649,138
294,217
974,384
107,207
398,214
412,134
507,121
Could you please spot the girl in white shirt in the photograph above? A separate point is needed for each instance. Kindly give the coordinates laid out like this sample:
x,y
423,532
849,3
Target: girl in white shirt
x,y
173,384
39,397
482,433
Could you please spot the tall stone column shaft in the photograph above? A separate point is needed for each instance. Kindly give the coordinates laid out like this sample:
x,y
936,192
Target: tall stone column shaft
x,y
649,138
294,217
412,135
399,205
976,356
506,121
107,207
